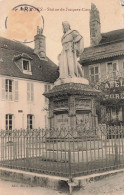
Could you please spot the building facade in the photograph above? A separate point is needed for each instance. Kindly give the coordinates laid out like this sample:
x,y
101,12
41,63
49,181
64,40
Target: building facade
x,y
103,64
25,74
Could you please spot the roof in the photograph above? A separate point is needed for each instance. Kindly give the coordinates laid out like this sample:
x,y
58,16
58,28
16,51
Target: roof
x,y
112,36
111,45
23,55
46,71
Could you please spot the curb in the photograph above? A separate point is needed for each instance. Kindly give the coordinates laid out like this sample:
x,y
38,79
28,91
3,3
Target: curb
x,y
84,180
53,182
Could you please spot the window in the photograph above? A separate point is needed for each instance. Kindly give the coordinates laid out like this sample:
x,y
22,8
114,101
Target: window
x,y
9,121
30,91
116,113
26,65
9,89
112,69
113,113
94,74
30,121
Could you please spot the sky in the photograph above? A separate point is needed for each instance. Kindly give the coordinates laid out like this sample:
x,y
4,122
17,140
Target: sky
x,y
22,25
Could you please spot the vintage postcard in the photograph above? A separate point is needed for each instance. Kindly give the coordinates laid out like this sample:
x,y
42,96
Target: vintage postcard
x,y
62,97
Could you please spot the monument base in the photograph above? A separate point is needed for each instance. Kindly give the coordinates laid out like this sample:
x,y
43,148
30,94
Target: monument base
x,y
72,104
80,80
72,116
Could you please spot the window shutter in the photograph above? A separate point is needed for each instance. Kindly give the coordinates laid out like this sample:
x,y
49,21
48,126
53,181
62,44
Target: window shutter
x,y
3,89
32,92
28,91
16,91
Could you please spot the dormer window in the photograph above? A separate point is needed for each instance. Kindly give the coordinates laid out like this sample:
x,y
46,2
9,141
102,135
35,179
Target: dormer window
x,y
23,61
26,65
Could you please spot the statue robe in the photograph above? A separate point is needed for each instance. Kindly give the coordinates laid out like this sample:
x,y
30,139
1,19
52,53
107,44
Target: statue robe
x,y
72,43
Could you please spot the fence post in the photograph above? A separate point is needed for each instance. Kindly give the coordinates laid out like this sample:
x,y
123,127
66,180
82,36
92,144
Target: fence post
x,y
69,161
70,172
27,154
116,154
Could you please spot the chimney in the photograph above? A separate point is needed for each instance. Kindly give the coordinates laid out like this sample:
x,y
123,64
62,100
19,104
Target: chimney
x,y
95,26
40,44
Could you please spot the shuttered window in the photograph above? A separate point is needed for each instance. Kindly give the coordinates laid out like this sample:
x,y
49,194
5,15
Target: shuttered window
x,y
94,74
112,70
9,90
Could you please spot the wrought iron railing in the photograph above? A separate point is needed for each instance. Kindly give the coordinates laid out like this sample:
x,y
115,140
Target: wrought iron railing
x,y
65,152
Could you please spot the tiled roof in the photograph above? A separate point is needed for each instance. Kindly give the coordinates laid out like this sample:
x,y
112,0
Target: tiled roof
x,y
111,45
112,36
42,70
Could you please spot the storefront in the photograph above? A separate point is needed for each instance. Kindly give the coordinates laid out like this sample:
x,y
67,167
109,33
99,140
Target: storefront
x,y
111,102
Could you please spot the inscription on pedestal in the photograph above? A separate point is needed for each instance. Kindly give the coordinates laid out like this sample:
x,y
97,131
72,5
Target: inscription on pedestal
x,y
61,120
83,104
61,104
83,120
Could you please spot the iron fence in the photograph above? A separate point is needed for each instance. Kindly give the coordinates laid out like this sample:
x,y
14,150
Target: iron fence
x,y
65,152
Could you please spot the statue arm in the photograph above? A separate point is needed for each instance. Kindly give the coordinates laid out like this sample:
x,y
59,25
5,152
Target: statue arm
x,y
79,43
76,36
81,46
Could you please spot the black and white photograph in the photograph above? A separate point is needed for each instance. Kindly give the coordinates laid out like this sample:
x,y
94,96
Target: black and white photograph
x,y
62,97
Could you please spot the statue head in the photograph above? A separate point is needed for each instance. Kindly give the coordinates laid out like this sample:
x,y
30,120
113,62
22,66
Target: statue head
x,y
66,26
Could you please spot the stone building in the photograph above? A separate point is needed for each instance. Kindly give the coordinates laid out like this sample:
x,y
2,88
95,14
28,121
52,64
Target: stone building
x,y
103,64
25,74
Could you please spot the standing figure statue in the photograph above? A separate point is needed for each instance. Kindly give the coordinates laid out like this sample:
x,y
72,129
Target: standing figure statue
x,y
72,43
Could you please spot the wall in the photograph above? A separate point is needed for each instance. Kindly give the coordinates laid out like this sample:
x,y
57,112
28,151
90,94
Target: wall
x,y
103,68
118,115
22,107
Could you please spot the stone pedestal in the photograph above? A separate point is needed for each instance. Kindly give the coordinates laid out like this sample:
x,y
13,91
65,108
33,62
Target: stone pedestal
x,y
72,104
